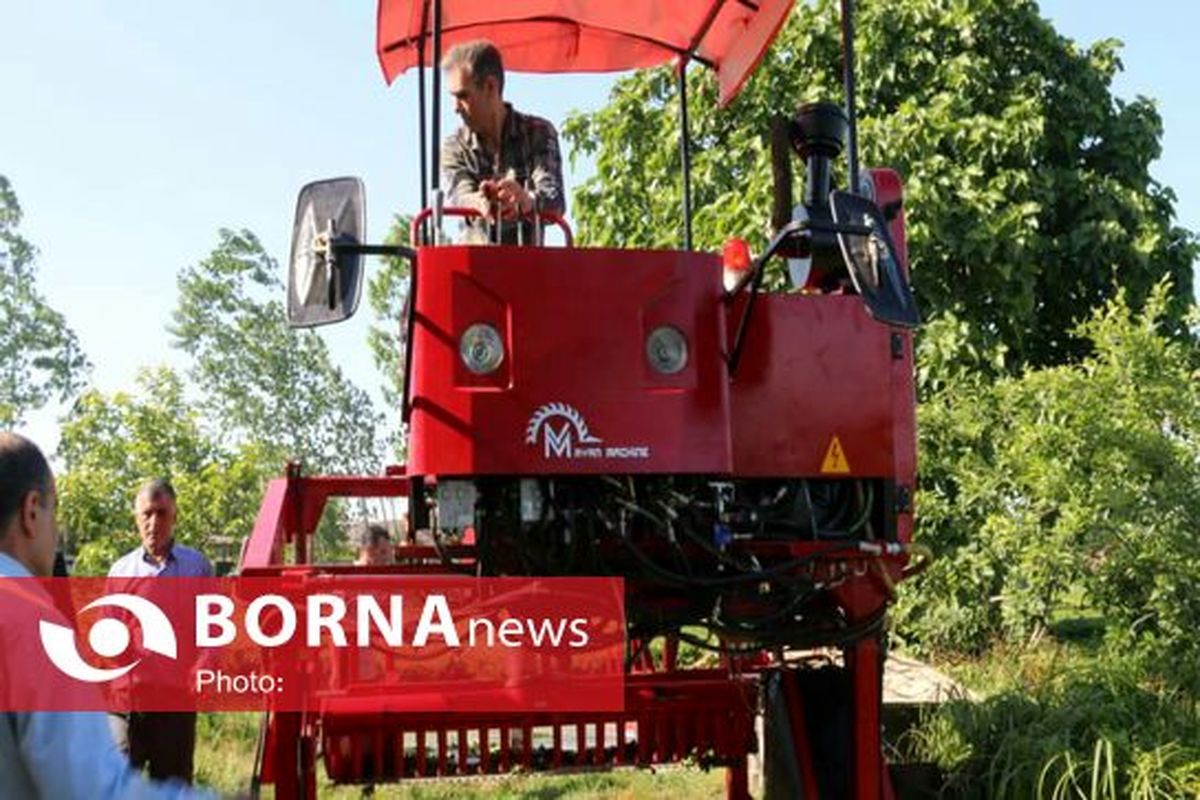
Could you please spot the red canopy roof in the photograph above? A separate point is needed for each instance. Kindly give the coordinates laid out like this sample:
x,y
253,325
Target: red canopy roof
x,y
590,35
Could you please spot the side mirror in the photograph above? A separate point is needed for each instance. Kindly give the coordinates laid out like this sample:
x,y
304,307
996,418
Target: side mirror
x,y
325,282
870,257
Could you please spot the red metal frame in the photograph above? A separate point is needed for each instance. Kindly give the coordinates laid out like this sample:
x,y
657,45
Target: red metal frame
x,y
550,217
574,325
700,713
818,367
706,714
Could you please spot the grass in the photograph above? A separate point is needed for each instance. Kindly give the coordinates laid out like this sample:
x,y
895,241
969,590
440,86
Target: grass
x,y
225,750
622,785
1062,721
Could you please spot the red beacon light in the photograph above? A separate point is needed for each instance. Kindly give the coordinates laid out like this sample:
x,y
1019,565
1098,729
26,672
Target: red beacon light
x,y
735,257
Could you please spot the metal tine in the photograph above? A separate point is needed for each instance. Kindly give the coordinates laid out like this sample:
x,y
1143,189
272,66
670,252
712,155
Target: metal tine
x,y
537,222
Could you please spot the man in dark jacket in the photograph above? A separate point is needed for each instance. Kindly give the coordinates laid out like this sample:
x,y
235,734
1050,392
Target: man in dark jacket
x,y
502,163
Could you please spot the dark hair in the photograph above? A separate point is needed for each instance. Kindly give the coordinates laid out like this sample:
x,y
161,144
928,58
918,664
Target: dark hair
x,y
23,469
481,58
368,534
155,487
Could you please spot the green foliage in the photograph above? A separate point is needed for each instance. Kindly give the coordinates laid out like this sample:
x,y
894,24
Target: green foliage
x,y
261,381
266,394
112,443
1079,728
387,293
1029,199
1066,484
40,357
225,748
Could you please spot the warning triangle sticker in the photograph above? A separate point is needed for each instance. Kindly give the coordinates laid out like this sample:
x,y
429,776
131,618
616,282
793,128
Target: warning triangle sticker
x,y
835,462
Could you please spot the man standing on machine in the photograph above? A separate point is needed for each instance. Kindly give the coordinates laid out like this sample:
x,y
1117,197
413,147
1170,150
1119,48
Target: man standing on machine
x,y
502,163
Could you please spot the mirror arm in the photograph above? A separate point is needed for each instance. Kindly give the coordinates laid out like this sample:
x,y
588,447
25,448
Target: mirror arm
x,y
341,246
754,276
787,232
735,354
394,250
324,240
410,325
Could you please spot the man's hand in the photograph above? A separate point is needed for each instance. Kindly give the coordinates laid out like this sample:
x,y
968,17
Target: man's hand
x,y
512,198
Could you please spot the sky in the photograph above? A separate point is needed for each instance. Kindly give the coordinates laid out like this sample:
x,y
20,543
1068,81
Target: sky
x,y
133,130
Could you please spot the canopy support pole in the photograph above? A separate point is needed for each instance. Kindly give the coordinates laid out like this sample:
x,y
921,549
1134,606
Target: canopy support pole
x,y
422,108
436,144
685,154
851,101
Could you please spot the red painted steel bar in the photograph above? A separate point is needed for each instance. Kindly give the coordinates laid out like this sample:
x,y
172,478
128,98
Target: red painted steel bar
x,y
800,743
737,782
864,663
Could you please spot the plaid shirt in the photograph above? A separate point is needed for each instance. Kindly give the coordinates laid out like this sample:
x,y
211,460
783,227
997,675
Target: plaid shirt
x,y
529,151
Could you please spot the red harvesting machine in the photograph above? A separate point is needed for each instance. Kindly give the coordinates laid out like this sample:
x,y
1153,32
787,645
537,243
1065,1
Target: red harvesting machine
x,y
743,456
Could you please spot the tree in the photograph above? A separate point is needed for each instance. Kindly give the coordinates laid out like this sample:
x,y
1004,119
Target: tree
x,y
387,293
1029,199
111,444
262,382
1076,481
40,357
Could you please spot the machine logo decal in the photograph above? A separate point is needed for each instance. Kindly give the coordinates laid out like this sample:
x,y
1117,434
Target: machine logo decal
x,y
109,637
564,433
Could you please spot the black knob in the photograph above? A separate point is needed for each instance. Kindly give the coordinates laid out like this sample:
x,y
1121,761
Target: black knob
x,y
818,133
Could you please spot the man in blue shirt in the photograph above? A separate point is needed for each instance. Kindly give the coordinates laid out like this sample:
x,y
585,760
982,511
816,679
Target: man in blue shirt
x,y
59,755
163,741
